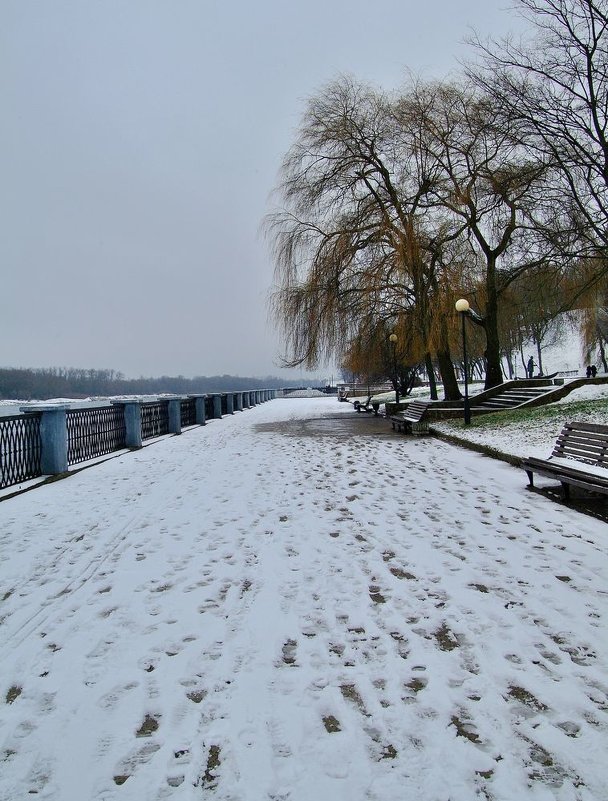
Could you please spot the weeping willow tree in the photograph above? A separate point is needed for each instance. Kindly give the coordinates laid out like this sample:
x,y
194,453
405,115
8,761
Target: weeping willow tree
x,y
586,288
490,185
394,206
372,355
351,242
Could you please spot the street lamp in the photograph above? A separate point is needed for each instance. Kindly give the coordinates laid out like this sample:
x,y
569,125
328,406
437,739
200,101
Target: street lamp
x,y
462,307
393,339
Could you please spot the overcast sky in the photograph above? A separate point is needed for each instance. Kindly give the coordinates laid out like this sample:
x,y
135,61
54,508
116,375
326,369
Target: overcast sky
x,y
139,144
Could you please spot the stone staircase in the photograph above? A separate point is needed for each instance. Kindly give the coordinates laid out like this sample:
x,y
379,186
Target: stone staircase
x,y
511,397
527,392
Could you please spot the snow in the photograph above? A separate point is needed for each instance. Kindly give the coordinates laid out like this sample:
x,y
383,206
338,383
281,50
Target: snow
x,y
305,393
535,436
296,603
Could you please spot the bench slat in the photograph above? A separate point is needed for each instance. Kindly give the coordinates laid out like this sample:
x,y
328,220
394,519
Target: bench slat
x,y
580,451
582,436
598,428
577,448
574,444
592,439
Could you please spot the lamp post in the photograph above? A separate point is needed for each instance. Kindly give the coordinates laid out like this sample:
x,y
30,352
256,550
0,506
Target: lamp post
x,y
462,307
393,339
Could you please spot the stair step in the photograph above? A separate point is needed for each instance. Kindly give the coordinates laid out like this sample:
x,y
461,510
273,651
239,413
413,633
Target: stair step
x,y
510,398
513,397
497,403
517,398
532,393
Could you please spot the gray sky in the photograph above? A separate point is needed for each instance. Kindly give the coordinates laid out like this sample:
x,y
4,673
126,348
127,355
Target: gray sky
x,y
139,145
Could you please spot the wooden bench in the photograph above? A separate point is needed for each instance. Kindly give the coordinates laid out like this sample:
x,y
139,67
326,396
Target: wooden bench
x,y
368,406
411,418
579,459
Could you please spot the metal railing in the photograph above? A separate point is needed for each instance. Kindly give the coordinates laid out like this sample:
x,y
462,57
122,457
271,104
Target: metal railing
x,y
154,419
20,449
94,432
56,437
188,412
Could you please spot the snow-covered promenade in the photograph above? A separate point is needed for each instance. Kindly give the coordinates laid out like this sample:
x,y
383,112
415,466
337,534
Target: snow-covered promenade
x,y
275,607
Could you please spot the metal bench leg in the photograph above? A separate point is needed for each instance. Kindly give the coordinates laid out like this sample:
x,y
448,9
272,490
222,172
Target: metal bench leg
x,y
566,490
530,478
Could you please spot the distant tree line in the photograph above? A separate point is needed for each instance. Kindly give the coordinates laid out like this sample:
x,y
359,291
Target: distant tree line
x,y
71,382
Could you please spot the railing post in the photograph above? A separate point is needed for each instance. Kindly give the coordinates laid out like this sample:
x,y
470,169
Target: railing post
x,y
132,413
175,415
229,403
53,438
217,407
238,401
199,409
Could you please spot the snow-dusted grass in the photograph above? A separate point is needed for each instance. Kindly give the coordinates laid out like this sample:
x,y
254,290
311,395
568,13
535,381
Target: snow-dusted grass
x,y
532,432
281,605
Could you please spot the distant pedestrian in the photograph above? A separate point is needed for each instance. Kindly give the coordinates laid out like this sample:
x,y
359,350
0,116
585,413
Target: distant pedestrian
x,y
530,367
593,371
588,371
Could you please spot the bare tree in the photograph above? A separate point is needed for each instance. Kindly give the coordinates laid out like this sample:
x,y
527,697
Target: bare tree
x,y
554,87
488,182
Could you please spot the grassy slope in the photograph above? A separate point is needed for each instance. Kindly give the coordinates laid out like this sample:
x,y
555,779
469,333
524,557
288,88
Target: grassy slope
x,y
515,433
566,410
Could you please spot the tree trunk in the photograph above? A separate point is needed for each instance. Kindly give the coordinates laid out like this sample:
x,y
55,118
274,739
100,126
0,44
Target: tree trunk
x,y
603,352
451,390
540,358
492,354
428,362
